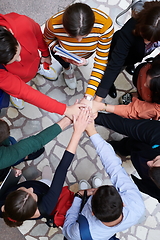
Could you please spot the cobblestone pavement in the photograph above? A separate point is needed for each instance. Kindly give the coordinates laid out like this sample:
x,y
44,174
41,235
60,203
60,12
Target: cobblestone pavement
x,y
31,120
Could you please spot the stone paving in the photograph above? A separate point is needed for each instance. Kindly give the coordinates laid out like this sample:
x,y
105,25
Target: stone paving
x,y
86,163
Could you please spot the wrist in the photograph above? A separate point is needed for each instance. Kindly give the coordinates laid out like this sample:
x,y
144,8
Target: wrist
x,y
77,194
46,56
88,97
104,107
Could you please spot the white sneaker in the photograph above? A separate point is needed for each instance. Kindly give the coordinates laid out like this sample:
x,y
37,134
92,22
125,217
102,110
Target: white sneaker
x,y
50,73
96,181
17,103
83,184
69,78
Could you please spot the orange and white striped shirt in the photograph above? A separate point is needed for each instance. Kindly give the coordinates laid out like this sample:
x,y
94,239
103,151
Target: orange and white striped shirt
x,y
98,41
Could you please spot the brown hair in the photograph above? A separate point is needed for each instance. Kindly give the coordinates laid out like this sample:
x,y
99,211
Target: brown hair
x,y
148,22
78,19
19,206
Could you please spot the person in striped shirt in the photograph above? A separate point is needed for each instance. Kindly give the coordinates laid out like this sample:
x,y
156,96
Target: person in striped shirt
x,y
83,31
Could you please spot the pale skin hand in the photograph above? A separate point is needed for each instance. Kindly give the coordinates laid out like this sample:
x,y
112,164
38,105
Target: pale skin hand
x,y
90,129
74,110
90,191
79,125
47,60
18,172
84,61
86,102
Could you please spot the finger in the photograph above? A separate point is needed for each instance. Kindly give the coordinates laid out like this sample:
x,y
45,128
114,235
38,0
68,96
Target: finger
x,y
74,119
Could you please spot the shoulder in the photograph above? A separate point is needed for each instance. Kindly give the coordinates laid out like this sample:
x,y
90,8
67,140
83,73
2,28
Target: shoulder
x,y
101,16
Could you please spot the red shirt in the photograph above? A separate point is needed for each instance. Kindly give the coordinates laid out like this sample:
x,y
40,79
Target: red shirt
x,y
13,81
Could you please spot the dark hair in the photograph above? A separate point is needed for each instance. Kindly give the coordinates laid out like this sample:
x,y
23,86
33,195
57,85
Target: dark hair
x,y
154,173
107,204
19,206
154,73
4,131
8,45
78,19
148,22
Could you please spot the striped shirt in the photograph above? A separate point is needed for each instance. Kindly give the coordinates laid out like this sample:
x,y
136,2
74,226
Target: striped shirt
x,y
97,41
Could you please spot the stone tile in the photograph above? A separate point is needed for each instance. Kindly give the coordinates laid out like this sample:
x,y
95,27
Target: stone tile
x,y
27,226
153,234
12,112
141,232
39,230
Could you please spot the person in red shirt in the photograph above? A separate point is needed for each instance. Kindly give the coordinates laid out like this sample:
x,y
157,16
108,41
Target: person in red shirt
x,y
20,42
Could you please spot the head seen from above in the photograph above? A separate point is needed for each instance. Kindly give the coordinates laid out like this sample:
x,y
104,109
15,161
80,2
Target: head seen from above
x,y
9,47
153,80
19,206
107,204
78,20
148,22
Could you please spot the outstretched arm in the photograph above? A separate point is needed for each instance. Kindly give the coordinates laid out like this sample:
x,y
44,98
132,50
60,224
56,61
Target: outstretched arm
x,y
49,201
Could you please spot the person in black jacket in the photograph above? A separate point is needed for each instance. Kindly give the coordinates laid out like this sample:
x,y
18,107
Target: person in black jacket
x,y
137,38
142,143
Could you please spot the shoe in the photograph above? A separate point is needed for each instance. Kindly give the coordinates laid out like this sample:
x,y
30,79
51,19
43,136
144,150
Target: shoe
x,y
130,69
83,184
112,91
125,99
96,181
47,173
69,78
17,103
49,73
36,154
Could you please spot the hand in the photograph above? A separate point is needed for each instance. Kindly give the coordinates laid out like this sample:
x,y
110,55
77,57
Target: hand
x,y
97,106
82,121
47,60
90,191
18,172
86,102
75,63
74,110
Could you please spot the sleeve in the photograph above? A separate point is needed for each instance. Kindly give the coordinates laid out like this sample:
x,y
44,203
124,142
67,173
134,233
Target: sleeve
x,y
71,226
118,57
11,154
42,46
118,175
138,109
8,81
48,35
101,57
50,199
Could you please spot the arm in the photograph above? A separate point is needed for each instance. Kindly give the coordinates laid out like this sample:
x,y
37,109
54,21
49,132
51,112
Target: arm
x,y
137,109
49,201
42,46
112,165
118,56
11,154
101,56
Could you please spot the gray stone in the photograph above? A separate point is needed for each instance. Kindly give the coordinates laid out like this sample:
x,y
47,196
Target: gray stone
x,y
39,230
